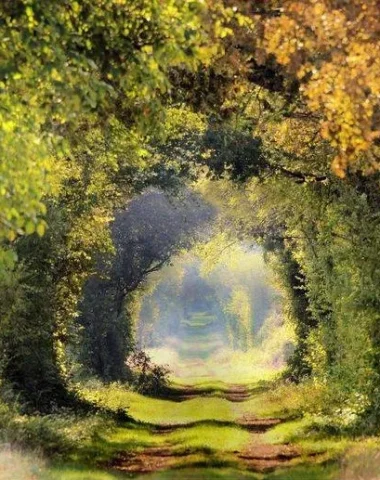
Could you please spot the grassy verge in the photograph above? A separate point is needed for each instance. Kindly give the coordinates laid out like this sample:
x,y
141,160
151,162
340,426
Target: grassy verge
x,y
79,446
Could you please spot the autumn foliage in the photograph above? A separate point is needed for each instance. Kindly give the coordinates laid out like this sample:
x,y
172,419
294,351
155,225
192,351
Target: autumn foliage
x,y
332,47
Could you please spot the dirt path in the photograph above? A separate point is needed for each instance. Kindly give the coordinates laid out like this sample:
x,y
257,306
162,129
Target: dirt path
x,y
234,393
256,456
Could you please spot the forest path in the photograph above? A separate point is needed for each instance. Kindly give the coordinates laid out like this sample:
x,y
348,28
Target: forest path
x,y
239,441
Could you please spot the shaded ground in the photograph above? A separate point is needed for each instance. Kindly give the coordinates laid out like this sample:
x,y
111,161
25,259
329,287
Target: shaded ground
x,y
205,433
255,454
233,393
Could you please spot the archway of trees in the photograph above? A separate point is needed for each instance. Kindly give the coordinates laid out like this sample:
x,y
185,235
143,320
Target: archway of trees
x,y
211,266
125,126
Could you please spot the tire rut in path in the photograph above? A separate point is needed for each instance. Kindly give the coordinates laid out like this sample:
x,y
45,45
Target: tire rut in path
x,y
257,456
235,393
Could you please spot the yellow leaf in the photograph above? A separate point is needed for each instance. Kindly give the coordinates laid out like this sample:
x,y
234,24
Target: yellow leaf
x,y
11,235
40,229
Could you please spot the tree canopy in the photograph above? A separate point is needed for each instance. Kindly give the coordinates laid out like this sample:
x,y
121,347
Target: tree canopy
x,y
267,110
331,49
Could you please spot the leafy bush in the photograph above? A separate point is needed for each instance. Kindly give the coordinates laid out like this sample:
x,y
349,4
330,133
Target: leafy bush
x,y
148,377
54,434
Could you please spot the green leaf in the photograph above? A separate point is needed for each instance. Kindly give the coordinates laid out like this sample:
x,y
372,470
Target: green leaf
x,y
41,229
30,227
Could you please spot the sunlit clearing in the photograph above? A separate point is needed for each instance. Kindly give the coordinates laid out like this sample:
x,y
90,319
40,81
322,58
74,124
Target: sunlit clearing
x,y
215,313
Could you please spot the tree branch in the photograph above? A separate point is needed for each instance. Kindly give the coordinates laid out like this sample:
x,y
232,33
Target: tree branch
x,y
276,12
300,177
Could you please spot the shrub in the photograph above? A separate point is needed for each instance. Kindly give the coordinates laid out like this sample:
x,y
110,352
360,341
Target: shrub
x,y
147,377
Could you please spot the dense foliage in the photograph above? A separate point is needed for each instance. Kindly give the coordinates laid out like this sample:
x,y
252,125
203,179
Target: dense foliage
x,y
145,237
331,47
250,104
82,85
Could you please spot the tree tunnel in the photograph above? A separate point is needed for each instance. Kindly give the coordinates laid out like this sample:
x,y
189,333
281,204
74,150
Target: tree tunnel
x,y
178,288
223,322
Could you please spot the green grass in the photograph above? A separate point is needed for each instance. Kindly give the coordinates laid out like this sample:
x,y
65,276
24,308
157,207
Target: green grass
x,y
163,412
307,472
209,437
195,335
198,350
216,385
216,438
205,430
201,474
208,421
314,472
225,372
76,472
288,432
166,412
204,438
283,401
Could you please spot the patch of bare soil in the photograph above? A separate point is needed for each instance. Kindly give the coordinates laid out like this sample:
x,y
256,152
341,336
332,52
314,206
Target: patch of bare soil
x,y
266,458
257,456
149,460
236,393
258,425
247,422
